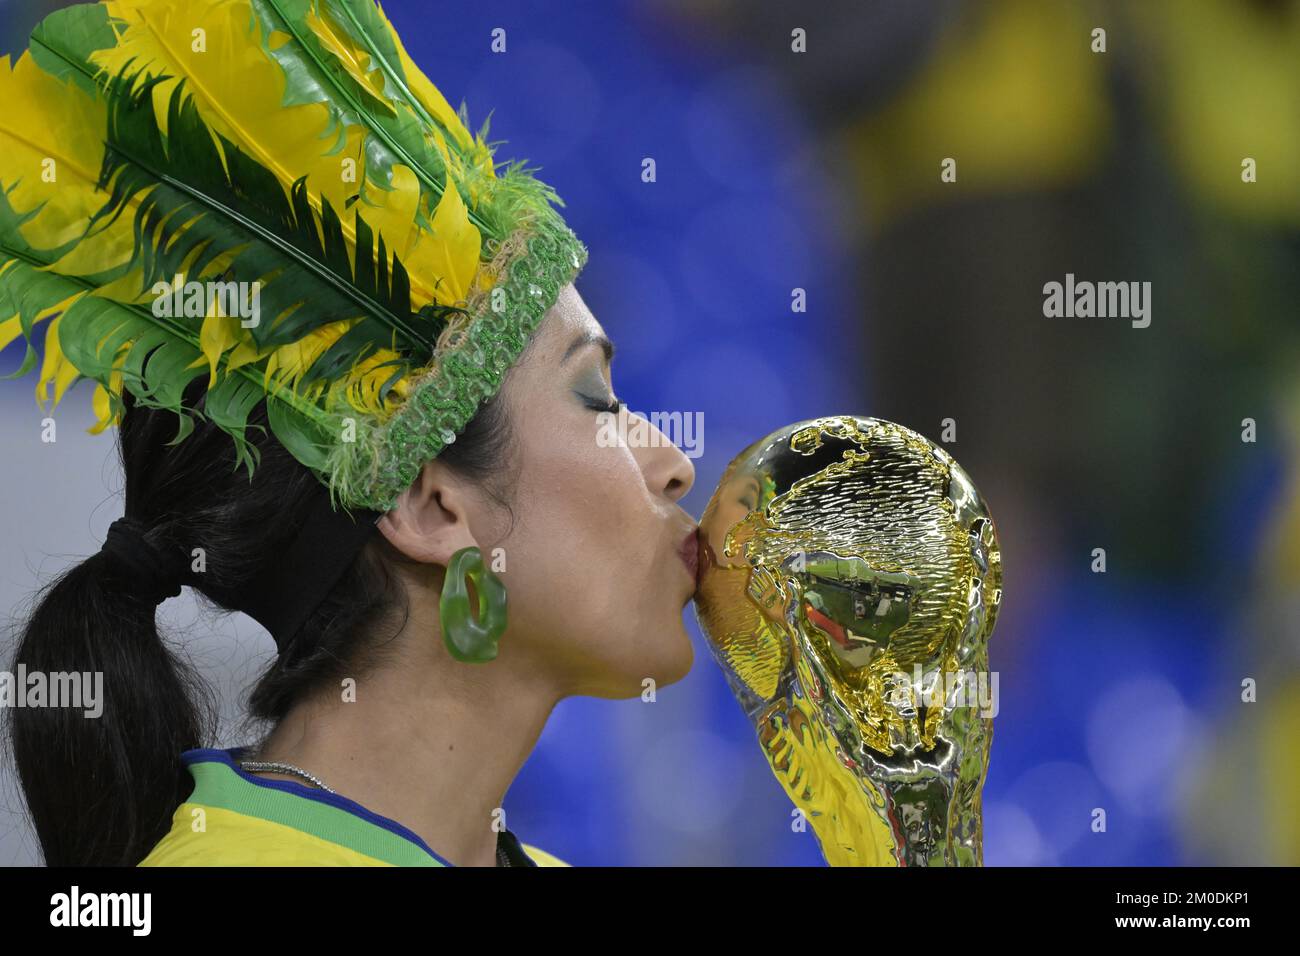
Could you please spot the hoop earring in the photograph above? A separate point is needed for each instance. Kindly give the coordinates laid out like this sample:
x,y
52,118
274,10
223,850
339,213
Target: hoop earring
x,y
469,640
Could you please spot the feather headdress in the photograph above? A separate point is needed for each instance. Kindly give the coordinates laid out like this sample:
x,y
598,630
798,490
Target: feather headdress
x,y
271,195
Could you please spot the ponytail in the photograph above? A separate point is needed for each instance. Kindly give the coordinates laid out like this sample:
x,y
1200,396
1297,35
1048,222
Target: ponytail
x,y
102,784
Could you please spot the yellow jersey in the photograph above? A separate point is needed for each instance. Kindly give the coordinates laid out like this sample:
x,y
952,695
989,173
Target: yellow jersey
x,y
233,818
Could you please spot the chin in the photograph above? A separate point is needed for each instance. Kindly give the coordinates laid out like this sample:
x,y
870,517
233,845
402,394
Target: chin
x,y
675,663
665,663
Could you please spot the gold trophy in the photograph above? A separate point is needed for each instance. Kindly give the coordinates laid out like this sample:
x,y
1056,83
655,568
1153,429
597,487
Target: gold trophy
x,y
850,578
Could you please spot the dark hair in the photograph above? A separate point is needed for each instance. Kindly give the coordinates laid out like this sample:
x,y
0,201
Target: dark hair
x,y
103,791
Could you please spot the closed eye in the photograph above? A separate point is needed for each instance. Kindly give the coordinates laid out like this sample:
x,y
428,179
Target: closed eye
x,y
613,406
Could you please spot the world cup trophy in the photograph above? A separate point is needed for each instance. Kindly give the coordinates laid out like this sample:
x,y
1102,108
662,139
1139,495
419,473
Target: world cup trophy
x,y
850,578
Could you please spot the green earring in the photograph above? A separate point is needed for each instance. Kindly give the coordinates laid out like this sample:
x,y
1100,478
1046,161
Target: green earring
x,y
467,639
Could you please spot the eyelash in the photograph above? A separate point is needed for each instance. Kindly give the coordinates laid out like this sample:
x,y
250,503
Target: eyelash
x,y
613,407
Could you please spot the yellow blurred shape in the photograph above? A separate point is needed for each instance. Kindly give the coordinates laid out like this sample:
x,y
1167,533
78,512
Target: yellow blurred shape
x,y
1013,93
1277,753
1282,546
1225,79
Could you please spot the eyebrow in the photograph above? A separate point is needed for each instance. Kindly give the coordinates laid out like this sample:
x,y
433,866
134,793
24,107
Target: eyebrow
x,y
591,338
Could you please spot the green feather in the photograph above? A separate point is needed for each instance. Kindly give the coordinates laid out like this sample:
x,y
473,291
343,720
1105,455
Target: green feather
x,y
164,355
394,135
191,211
61,44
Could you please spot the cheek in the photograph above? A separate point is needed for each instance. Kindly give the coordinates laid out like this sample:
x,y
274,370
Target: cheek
x,y
596,540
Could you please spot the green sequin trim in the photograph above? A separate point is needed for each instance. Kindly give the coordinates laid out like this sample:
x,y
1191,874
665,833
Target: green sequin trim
x,y
373,470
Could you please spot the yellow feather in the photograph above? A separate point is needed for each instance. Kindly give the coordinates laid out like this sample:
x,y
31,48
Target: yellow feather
x,y
288,363
236,87
55,367
360,387
355,60
394,217
10,329
452,252
441,145
431,98
238,90
245,352
101,403
216,336
451,161
51,148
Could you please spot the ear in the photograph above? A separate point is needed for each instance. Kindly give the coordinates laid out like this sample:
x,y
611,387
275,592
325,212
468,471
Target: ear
x,y
430,521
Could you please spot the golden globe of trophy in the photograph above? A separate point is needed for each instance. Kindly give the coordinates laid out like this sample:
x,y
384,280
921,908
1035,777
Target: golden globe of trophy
x,y
850,577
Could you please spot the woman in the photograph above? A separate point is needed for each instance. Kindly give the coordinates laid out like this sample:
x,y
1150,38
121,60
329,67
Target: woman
x,y
398,721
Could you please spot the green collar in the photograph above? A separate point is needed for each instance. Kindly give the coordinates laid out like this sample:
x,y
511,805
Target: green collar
x,y
219,781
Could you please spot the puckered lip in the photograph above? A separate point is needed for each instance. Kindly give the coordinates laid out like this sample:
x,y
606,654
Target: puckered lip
x,y
689,552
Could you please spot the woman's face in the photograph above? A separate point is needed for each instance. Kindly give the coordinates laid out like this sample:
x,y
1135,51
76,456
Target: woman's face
x,y
596,586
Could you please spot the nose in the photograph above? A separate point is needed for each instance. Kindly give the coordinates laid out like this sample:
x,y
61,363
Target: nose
x,y
667,470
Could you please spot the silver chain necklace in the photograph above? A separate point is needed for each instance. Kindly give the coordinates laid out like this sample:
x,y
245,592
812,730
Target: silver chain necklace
x,y
257,766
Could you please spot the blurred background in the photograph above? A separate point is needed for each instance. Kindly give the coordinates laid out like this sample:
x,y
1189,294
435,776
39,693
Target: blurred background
x,y
820,170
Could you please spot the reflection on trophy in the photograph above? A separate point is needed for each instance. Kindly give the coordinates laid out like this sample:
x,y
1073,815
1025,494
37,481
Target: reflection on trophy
x,y
850,578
